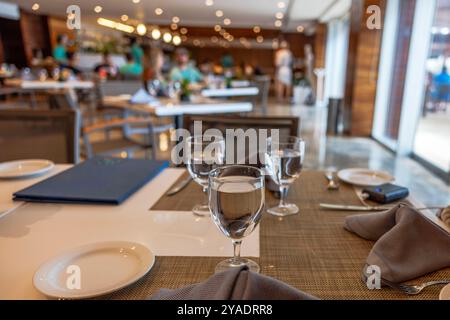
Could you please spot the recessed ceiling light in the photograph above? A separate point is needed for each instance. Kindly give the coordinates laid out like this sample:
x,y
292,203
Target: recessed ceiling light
x,y
159,11
214,39
175,19
167,37
141,29
256,29
226,22
281,5
259,39
209,3
184,38
219,13
124,18
98,9
35,7
279,15
217,28
176,40
174,26
230,38
278,23
156,34
136,1
183,30
300,28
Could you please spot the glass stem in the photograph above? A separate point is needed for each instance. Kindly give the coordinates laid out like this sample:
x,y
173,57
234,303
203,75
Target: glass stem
x,y
283,195
237,251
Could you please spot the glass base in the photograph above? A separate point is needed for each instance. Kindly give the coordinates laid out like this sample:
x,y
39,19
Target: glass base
x,y
201,210
283,211
237,263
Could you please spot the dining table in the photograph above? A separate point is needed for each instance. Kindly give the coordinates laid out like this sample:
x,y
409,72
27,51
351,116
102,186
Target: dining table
x,y
169,107
310,251
230,92
50,84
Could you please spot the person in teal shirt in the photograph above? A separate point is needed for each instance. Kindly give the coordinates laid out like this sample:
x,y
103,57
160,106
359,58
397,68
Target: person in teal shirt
x,y
131,68
183,70
60,51
136,51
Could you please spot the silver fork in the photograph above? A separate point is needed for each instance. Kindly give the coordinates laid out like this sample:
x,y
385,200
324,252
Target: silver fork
x,y
413,289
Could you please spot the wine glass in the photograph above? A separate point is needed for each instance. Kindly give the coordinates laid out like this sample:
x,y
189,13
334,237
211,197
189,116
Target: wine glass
x,y
284,161
204,153
236,200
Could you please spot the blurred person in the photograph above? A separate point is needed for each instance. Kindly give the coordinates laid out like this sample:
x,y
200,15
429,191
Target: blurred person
x,y
130,68
136,51
227,60
440,92
183,71
106,68
71,66
153,62
283,78
60,51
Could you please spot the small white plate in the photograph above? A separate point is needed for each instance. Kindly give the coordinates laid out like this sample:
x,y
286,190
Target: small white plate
x,y
102,268
445,293
365,177
24,168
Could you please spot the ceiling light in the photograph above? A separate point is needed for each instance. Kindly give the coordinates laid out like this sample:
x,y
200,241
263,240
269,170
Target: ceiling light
x,y
259,39
279,15
196,42
124,18
209,3
445,31
167,37
217,28
214,39
256,29
136,1
278,23
281,5
226,22
141,29
183,30
175,19
115,25
174,26
156,34
300,28
219,13
35,7
98,9
176,40
159,11
184,38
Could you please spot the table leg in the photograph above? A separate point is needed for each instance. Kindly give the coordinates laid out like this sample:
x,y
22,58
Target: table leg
x,y
178,119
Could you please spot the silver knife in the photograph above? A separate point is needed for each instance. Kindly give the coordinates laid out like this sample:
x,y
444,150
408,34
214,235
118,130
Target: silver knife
x,y
353,208
180,186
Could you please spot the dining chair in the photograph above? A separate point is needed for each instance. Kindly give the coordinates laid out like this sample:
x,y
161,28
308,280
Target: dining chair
x,y
287,126
44,134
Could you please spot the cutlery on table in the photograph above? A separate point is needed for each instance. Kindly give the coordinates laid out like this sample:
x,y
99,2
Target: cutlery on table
x,y
413,289
332,183
366,208
180,186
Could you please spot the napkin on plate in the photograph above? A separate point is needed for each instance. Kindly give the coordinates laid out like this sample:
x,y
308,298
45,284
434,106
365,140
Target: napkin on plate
x,y
445,216
142,97
235,284
408,245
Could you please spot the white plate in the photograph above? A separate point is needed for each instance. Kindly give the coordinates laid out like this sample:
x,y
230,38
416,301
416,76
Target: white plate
x,y
365,177
445,293
24,168
103,268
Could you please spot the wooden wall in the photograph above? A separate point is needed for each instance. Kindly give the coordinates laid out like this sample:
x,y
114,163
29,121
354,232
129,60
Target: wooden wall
x,y
12,43
35,34
320,42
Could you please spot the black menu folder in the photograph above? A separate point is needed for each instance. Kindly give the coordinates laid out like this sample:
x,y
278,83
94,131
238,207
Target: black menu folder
x,y
101,180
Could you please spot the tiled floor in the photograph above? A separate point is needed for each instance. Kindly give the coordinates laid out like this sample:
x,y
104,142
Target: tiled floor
x,y
344,152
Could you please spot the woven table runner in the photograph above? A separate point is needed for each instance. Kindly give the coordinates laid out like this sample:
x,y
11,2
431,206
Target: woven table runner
x,y
310,251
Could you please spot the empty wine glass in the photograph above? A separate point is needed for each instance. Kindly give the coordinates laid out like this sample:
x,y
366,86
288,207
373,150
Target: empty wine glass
x,y
284,162
236,200
204,153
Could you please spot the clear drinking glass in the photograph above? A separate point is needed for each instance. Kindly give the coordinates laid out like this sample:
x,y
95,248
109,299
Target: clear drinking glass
x,y
284,161
204,154
236,200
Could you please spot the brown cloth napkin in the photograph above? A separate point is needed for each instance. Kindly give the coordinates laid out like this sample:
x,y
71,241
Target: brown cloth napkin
x,y
445,216
408,244
235,284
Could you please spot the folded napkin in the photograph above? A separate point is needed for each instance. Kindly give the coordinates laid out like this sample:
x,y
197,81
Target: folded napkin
x,y
445,216
142,97
235,284
408,244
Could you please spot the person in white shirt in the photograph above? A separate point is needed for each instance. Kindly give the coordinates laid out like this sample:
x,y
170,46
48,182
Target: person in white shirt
x,y
283,79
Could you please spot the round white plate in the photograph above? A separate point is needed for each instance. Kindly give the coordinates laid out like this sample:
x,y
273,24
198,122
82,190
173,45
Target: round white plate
x,y
365,177
98,269
445,293
24,168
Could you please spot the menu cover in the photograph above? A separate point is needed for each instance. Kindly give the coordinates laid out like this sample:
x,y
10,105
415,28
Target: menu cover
x,y
101,180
